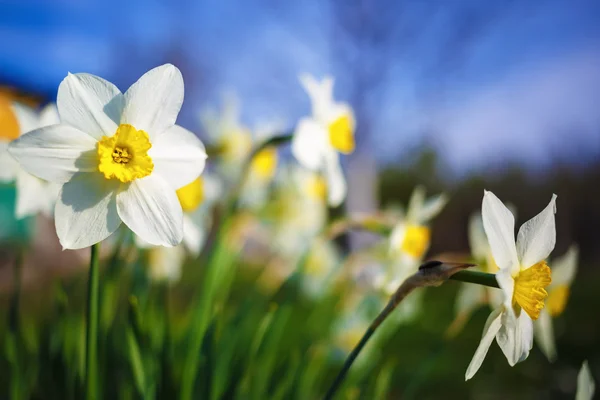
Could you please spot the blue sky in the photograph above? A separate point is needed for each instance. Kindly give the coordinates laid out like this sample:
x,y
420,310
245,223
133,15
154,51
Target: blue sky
x,y
523,85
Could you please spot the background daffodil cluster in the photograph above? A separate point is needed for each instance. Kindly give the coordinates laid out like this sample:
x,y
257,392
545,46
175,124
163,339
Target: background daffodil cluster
x,y
246,244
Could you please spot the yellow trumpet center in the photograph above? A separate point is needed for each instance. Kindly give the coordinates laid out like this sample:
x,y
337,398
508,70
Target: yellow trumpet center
x,y
265,163
341,134
9,125
124,156
530,291
557,300
416,240
191,195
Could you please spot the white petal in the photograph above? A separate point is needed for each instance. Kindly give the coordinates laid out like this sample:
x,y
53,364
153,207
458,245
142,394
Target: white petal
x,y
417,198
86,211
507,286
8,165
89,103
49,115
309,143
153,102
499,225
32,195
336,183
544,335
150,208
515,337
320,93
537,236
26,116
55,153
565,267
492,325
478,243
178,155
585,383
193,235
431,208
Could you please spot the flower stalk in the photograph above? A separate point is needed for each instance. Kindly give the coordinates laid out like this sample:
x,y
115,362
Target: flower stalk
x,y
432,273
91,340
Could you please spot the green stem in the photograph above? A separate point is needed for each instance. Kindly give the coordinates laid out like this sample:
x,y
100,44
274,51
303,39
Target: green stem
x,y
480,278
407,287
91,340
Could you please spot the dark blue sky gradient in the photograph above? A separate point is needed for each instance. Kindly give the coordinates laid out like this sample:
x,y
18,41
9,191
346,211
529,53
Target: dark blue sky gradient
x,y
522,77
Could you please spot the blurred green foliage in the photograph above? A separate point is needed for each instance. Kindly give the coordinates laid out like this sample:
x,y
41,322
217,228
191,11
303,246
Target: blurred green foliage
x,y
219,334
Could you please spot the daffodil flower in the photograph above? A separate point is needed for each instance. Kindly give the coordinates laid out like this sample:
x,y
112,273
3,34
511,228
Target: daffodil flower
x,y
33,194
410,237
320,138
523,276
563,273
119,156
231,138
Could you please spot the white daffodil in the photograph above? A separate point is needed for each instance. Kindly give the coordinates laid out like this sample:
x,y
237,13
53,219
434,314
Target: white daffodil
x,y
119,156
563,273
410,237
523,276
231,139
319,138
298,211
585,383
33,194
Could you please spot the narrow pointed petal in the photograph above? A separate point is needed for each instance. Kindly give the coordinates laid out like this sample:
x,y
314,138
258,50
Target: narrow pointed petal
x,y
477,239
543,332
86,211
150,208
417,198
89,103
585,383
179,156
336,183
537,237
153,102
565,267
515,337
492,326
499,225
320,93
431,208
309,144
55,153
